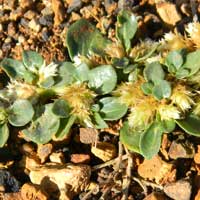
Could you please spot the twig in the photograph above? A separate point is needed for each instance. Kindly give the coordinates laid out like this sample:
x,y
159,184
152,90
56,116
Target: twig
x,y
87,195
127,181
194,12
105,193
120,153
142,185
93,15
110,162
153,185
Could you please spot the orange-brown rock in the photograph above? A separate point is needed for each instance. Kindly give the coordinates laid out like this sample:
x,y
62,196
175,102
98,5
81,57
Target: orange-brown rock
x,y
44,151
59,12
168,12
155,169
33,192
104,150
80,158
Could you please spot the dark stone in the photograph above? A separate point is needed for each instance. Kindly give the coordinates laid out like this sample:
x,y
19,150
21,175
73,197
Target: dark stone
x,y
74,5
46,20
10,183
24,22
45,35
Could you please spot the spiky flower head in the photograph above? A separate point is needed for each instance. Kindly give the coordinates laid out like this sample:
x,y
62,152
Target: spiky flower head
x,y
80,98
142,107
115,50
196,109
181,97
47,71
19,90
142,49
193,30
141,116
173,41
168,112
130,93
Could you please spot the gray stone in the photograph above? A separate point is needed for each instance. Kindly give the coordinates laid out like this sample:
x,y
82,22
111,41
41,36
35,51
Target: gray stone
x,y
179,190
181,150
74,5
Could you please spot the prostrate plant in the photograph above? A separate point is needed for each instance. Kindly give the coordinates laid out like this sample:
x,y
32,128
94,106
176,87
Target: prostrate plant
x,y
61,94
152,86
17,114
157,81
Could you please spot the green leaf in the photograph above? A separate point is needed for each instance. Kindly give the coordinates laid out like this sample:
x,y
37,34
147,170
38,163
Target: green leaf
x,y
147,54
65,126
150,140
83,38
14,68
82,71
191,124
103,79
4,134
32,60
61,108
154,72
130,68
192,62
66,74
162,90
175,59
112,109
120,62
44,126
129,138
182,73
168,126
20,113
133,76
47,83
98,121
126,28
147,88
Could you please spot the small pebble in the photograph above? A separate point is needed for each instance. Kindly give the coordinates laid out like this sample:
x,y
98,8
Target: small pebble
x,y
11,29
34,25
25,3
179,190
57,158
80,158
30,14
47,11
24,22
44,151
46,20
21,39
8,40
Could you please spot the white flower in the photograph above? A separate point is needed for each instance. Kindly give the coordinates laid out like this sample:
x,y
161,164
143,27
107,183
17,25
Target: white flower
x,y
16,89
181,96
168,112
48,71
193,30
77,59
